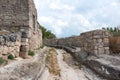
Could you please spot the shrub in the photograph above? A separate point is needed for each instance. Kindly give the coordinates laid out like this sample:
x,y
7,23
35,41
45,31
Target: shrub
x,y
47,34
42,46
11,57
31,53
2,60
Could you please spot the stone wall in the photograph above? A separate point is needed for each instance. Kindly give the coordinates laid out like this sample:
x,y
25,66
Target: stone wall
x,y
96,42
14,14
35,39
69,41
93,42
10,43
21,16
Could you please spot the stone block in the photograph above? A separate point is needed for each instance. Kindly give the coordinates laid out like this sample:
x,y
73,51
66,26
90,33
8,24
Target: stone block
x,y
22,30
106,44
24,48
95,52
95,47
97,32
17,43
25,35
97,36
24,40
7,44
23,54
5,50
100,50
100,45
12,37
107,51
106,48
99,40
2,40
11,44
25,43
106,33
106,40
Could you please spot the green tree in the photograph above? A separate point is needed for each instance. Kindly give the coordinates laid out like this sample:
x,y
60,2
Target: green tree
x,y
47,34
114,31
111,29
108,28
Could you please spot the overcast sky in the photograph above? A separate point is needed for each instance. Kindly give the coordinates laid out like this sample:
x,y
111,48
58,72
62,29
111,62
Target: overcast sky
x,y
71,17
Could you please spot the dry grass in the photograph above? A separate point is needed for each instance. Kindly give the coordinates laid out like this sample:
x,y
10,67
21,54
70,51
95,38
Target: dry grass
x,y
115,44
71,61
65,57
52,62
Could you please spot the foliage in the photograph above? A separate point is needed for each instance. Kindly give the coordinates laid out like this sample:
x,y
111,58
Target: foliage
x,y
11,57
41,47
31,53
47,34
1,60
114,31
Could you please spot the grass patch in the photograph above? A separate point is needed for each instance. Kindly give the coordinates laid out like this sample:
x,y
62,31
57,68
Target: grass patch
x,y
31,53
52,62
11,57
41,47
1,60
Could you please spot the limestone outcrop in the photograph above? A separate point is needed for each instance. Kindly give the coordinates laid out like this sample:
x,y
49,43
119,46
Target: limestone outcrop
x,y
25,69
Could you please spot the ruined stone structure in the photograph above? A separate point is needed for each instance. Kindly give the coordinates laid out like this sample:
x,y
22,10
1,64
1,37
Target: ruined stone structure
x,y
69,41
19,18
93,42
93,51
96,42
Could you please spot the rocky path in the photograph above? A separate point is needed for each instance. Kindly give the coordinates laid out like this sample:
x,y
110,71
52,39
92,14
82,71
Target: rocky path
x,y
69,70
37,69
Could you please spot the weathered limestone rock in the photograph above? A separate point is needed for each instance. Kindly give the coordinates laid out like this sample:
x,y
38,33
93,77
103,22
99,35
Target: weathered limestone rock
x,y
105,65
29,69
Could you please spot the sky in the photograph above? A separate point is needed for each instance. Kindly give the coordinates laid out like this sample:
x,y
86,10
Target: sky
x,y
72,17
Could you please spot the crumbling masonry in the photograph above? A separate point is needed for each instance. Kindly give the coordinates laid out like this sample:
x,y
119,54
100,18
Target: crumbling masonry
x,y
93,42
19,29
